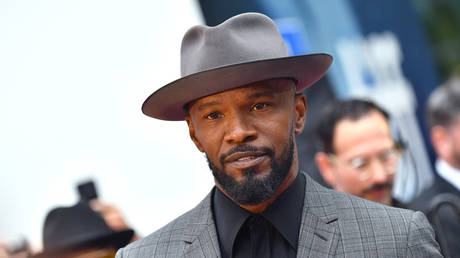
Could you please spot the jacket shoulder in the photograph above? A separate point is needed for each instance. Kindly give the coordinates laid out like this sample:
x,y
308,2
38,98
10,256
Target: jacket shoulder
x,y
171,239
386,230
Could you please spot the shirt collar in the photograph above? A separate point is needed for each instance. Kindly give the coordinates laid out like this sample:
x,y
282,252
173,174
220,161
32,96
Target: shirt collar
x,y
285,214
448,173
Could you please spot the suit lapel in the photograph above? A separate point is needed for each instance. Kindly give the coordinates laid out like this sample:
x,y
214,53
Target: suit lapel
x,y
318,236
205,244
200,236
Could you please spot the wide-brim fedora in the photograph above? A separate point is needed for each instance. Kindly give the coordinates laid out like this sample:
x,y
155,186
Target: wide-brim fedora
x,y
69,229
244,49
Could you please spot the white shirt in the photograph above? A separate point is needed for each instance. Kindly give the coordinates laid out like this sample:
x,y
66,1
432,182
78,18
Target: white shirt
x,y
448,173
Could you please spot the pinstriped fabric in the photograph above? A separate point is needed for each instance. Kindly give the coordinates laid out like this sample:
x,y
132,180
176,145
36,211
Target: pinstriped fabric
x,y
333,224
369,229
318,234
416,244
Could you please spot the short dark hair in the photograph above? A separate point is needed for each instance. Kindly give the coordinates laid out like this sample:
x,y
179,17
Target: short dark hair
x,y
338,110
443,106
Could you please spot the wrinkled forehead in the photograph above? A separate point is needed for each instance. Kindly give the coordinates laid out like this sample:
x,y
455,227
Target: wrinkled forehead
x,y
268,87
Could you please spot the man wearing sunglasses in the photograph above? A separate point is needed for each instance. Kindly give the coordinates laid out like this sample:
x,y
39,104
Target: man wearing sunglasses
x,y
357,152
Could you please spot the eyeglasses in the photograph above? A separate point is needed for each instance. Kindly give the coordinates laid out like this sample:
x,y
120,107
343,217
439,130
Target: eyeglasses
x,y
389,159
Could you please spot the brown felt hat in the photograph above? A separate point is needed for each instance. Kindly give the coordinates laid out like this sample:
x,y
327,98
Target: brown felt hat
x,y
244,49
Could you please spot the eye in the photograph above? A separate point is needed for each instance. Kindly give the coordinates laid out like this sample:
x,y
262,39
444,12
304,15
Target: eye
x,y
259,106
359,163
213,116
389,156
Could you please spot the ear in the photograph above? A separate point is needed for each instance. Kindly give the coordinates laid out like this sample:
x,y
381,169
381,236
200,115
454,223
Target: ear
x,y
326,168
301,113
191,130
440,140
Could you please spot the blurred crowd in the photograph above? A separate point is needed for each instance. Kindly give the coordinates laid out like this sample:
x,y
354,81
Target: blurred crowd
x,y
359,154
90,228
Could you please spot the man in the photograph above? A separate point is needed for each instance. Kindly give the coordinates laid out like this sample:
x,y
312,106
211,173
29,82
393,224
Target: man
x,y
357,152
443,119
240,95
79,231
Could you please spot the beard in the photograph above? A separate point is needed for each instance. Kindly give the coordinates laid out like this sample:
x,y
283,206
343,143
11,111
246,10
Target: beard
x,y
252,189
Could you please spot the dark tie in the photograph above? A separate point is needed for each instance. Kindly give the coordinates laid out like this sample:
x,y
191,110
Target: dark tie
x,y
254,238
259,236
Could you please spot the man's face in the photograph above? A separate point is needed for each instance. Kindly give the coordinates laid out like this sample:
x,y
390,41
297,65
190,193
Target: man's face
x,y
365,159
247,135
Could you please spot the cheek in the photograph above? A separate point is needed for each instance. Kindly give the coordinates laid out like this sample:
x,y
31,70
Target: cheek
x,y
277,131
391,178
351,183
211,141
456,140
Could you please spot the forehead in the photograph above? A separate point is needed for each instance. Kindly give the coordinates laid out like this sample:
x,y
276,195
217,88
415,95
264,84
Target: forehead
x,y
268,88
370,133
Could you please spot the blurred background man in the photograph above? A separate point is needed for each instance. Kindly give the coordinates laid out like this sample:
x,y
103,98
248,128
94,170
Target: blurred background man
x,y
79,231
357,152
443,119
89,229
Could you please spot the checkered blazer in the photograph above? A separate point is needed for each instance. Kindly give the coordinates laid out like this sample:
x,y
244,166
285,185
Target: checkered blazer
x,y
334,224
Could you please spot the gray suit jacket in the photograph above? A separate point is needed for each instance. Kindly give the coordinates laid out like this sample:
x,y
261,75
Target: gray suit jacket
x,y
333,224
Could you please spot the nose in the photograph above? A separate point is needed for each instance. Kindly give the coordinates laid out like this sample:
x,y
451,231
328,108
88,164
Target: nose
x,y
379,172
239,130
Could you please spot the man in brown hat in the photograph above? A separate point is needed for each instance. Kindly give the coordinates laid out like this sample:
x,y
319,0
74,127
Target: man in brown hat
x,y
240,95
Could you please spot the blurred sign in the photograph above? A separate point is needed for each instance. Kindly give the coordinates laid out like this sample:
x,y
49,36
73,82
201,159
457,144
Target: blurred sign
x,y
293,33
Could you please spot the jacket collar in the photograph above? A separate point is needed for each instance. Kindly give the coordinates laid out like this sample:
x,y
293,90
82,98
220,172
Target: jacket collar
x,y
200,233
318,236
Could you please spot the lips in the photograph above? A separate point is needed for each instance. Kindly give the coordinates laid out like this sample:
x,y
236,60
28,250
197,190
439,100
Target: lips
x,y
245,159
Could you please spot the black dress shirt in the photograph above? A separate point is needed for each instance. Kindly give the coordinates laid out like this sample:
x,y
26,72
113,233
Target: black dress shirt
x,y
272,233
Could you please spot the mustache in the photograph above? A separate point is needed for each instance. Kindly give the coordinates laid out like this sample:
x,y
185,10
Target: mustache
x,y
378,187
244,148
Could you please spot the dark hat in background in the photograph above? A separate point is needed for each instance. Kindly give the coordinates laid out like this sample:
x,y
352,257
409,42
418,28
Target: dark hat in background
x,y
77,227
244,49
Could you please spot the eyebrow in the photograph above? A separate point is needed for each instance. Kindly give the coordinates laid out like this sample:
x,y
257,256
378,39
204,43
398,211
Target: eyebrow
x,y
207,104
261,94
200,107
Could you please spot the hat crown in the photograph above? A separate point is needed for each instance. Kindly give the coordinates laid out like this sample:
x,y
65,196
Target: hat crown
x,y
69,225
243,38
244,49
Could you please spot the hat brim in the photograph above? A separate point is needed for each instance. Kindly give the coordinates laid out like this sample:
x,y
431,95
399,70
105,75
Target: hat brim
x,y
167,103
115,239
